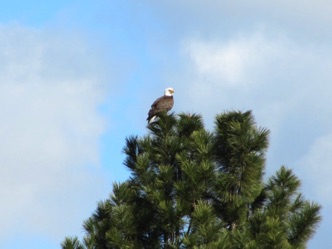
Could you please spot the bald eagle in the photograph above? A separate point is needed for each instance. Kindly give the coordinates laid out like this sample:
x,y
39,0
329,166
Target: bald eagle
x,y
163,103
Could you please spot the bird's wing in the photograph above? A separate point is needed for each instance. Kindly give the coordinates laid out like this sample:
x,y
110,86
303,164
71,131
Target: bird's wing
x,y
155,103
163,104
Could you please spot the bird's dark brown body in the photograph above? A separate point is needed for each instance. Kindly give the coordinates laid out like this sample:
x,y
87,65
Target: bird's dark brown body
x,y
162,104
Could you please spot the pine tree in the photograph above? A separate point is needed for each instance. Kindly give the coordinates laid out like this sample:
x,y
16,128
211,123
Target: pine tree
x,y
191,188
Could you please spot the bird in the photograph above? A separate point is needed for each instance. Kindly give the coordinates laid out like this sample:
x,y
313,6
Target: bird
x,y
162,104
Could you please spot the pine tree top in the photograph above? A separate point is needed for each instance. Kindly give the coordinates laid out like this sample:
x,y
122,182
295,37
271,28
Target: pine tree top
x,y
194,188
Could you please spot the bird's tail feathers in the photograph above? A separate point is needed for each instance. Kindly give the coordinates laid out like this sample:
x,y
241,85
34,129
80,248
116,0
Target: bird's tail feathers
x,y
152,119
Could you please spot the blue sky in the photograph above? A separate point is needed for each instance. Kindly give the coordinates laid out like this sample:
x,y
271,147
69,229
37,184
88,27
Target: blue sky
x,y
77,77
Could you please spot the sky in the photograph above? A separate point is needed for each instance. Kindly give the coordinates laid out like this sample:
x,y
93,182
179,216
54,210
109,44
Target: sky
x,y
78,77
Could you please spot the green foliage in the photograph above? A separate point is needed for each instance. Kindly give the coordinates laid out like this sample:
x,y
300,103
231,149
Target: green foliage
x,y
72,243
192,188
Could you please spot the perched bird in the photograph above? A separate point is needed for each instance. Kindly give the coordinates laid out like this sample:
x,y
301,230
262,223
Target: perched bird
x,y
164,103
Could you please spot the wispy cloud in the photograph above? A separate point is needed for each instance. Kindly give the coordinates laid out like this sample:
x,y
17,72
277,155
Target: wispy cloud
x,y
50,90
255,71
234,62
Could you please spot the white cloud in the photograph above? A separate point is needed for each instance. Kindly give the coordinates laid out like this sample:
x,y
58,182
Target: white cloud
x,y
50,90
234,62
255,71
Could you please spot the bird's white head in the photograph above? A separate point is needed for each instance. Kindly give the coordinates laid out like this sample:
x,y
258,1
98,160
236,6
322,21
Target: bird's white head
x,y
169,91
